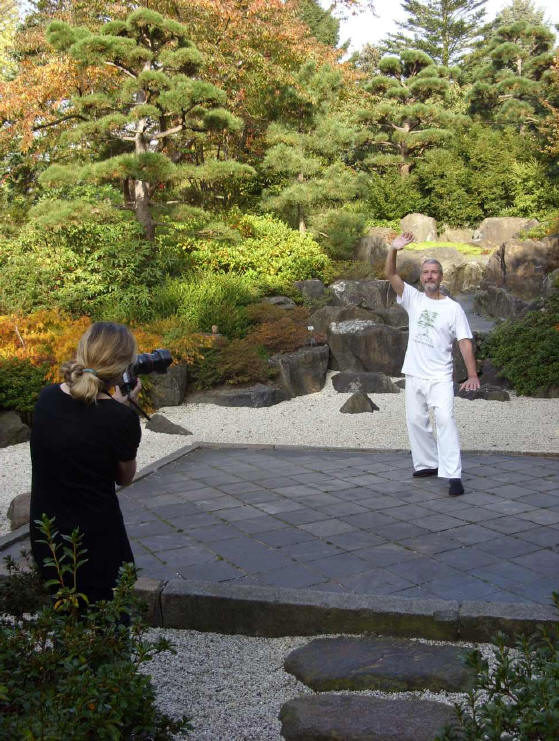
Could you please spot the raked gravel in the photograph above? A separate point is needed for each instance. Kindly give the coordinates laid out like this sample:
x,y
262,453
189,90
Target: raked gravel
x,y
520,425
232,687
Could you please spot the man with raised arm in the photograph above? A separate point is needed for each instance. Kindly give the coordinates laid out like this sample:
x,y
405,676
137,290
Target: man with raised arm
x,y
435,322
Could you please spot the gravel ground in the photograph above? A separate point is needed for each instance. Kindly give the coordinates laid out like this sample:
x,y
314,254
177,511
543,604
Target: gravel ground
x,y
520,425
232,687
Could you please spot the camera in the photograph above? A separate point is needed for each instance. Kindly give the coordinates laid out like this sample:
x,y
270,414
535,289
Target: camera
x,y
147,362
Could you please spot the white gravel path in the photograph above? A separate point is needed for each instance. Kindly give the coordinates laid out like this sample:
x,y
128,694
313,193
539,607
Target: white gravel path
x,y
520,425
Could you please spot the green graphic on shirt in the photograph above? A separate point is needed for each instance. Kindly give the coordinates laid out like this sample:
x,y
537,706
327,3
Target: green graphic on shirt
x,y
426,322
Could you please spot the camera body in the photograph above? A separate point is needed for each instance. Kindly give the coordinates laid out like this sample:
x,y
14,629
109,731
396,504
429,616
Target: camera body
x,y
148,362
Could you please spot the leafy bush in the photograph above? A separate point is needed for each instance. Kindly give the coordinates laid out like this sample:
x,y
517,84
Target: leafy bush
x,y
106,270
338,231
526,350
517,699
67,673
20,383
269,252
205,299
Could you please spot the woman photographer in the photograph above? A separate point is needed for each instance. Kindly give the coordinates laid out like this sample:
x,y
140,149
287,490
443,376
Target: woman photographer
x,y
84,441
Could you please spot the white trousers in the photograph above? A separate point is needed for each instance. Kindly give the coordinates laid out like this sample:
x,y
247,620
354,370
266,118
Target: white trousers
x,y
444,452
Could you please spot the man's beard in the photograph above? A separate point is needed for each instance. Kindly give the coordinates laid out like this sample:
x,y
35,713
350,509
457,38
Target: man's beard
x,y
431,287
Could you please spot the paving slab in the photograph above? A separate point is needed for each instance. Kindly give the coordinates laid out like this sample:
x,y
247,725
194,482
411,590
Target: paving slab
x,y
349,522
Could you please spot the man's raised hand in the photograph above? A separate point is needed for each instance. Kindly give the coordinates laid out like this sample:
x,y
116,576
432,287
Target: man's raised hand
x,y
402,240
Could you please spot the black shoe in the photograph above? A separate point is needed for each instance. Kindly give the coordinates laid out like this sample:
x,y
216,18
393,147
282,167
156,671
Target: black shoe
x,y
455,489
425,472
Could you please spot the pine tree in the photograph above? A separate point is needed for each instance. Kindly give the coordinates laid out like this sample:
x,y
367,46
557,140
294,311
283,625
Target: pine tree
x,y
512,78
131,129
322,24
309,180
443,29
407,115
520,10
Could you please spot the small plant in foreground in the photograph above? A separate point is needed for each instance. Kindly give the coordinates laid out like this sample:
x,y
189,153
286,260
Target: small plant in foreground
x,y
72,672
517,699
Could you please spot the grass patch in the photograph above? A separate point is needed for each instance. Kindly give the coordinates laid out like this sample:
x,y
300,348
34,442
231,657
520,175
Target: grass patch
x,y
464,248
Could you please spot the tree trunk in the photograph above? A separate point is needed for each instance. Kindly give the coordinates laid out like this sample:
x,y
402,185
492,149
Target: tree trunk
x,y
141,207
300,212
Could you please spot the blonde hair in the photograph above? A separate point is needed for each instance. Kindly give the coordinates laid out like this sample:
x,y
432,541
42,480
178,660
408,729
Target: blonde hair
x,y
104,352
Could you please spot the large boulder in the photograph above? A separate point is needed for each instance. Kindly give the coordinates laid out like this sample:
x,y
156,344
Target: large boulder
x,y
499,229
169,389
362,345
303,371
521,267
394,316
12,429
423,228
372,248
368,383
461,272
311,289
498,302
449,234
369,294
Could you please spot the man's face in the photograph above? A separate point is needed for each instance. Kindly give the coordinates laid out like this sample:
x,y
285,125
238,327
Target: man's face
x,y
430,277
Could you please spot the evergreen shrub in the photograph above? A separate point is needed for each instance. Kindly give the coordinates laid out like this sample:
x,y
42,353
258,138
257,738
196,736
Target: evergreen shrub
x,y
21,383
270,252
70,673
526,350
517,698
105,270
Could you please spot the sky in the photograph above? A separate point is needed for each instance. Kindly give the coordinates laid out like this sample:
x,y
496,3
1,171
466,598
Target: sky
x,y
366,28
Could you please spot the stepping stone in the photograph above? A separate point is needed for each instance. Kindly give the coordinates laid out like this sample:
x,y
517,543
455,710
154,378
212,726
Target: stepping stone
x,y
363,718
389,664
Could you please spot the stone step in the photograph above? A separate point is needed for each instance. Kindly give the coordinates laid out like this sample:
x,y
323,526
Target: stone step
x,y
363,718
389,664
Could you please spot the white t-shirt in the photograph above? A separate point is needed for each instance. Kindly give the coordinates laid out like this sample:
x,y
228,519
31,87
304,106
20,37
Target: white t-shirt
x,y
434,325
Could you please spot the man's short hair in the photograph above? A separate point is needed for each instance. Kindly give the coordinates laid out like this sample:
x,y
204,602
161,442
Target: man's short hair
x,y
434,262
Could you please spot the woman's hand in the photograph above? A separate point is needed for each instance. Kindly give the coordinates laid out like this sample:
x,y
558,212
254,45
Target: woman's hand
x,y
131,396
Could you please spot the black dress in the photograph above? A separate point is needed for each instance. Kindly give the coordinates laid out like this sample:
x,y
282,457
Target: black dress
x,y
75,448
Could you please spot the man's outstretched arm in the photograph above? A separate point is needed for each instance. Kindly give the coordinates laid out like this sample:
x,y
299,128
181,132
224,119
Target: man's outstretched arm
x,y
390,266
467,350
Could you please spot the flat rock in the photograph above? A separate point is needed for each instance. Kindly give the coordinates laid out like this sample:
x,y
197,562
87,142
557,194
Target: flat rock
x,y
160,423
358,403
389,664
368,383
363,718
259,395
485,392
